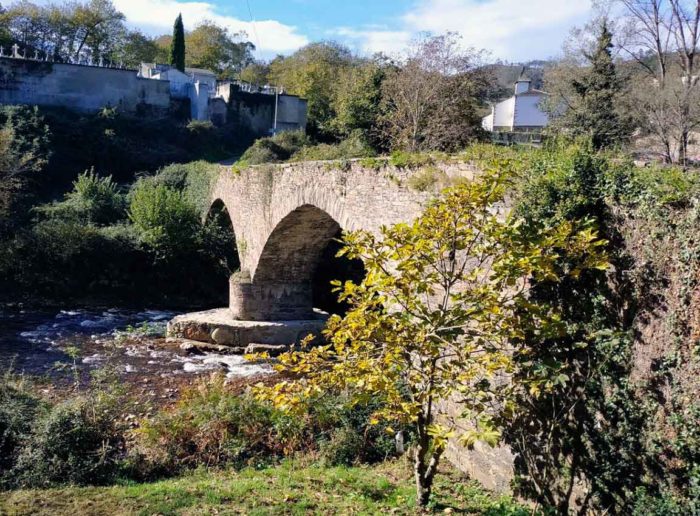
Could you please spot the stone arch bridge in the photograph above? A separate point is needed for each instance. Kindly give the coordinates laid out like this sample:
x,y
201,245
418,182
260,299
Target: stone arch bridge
x,y
283,217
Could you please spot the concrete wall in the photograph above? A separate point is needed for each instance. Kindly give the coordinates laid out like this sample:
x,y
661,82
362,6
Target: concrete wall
x,y
257,110
199,100
82,88
291,113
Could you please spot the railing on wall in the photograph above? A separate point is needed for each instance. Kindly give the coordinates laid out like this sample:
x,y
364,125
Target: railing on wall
x,y
16,52
517,137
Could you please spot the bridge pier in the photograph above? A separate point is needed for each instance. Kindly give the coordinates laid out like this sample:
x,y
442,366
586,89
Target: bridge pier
x,y
269,300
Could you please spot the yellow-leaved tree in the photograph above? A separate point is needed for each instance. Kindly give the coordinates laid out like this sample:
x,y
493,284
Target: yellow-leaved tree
x,y
442,307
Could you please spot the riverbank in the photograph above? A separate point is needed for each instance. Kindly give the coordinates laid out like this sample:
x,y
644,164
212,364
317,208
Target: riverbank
x,y
294,487
60,350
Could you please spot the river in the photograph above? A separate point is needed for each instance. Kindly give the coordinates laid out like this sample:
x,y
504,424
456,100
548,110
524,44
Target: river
x,y
62,347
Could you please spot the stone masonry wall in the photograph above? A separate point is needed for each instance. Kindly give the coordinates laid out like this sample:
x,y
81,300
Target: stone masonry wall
x,y
78,87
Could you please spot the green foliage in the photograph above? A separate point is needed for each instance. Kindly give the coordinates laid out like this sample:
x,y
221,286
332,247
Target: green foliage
x,y
177,45
563,183
24,140
116,262
312,72
275,149
210,425
75,442
356,101
94,200
293,487
592,113
24,152
18,410
445,340
193,179
352,147
428,178
403,159
212,47
164,218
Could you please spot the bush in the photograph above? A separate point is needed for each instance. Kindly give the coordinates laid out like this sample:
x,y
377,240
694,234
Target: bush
x,y
18,409
563,183
352,147
211,426
275,149
75,442
428,178
193,179
94,200
402,159
164,218
344,448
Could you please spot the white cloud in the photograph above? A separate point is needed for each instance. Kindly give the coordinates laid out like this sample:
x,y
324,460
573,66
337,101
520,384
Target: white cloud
x,y
157,16
508,28
373,40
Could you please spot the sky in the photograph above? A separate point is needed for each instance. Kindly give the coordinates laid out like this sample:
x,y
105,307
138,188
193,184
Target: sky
x,y
512,30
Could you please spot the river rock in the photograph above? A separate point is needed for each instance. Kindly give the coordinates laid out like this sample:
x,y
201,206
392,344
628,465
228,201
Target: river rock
x,y
194,347
271,349
224,336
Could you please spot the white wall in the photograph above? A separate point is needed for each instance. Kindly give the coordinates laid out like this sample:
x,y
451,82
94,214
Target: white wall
x,y
503,114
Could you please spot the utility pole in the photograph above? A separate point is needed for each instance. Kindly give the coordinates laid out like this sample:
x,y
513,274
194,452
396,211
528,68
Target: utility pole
x,y
274,124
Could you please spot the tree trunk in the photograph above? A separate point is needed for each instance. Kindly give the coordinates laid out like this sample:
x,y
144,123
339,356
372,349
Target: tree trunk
x,y
426,460
423,488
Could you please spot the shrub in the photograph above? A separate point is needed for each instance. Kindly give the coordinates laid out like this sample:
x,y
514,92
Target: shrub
x,y
94,200
344,448
164,218
75,442
193,179
563,183
276,148
402,159
428,178
211,426
18,409
198,127
352,147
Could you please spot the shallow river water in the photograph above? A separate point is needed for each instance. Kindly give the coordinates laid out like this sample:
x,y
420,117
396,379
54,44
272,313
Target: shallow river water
x,y
58,345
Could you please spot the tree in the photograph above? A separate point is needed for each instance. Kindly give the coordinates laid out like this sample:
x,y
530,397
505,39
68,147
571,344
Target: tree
x,y
591,107
442,308
177,45
98,25
212,47
137,48
255,72
431,101
663,37
357,99
24,151
312,72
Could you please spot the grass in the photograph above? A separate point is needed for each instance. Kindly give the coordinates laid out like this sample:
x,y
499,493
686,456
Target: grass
x,y
291,488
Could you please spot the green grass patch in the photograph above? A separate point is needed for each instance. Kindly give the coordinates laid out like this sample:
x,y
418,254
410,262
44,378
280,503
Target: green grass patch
x,y
291,488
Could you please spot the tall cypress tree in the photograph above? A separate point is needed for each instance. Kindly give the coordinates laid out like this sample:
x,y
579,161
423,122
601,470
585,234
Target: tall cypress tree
x,y
177,46
595,113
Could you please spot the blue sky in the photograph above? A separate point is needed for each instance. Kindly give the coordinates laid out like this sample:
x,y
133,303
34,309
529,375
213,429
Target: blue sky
x,y
510,29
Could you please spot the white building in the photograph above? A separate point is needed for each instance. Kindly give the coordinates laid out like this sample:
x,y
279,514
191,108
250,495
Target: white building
x,y
521,112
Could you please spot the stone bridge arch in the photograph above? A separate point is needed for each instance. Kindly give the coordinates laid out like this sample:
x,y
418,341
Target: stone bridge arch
x,y
283,217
